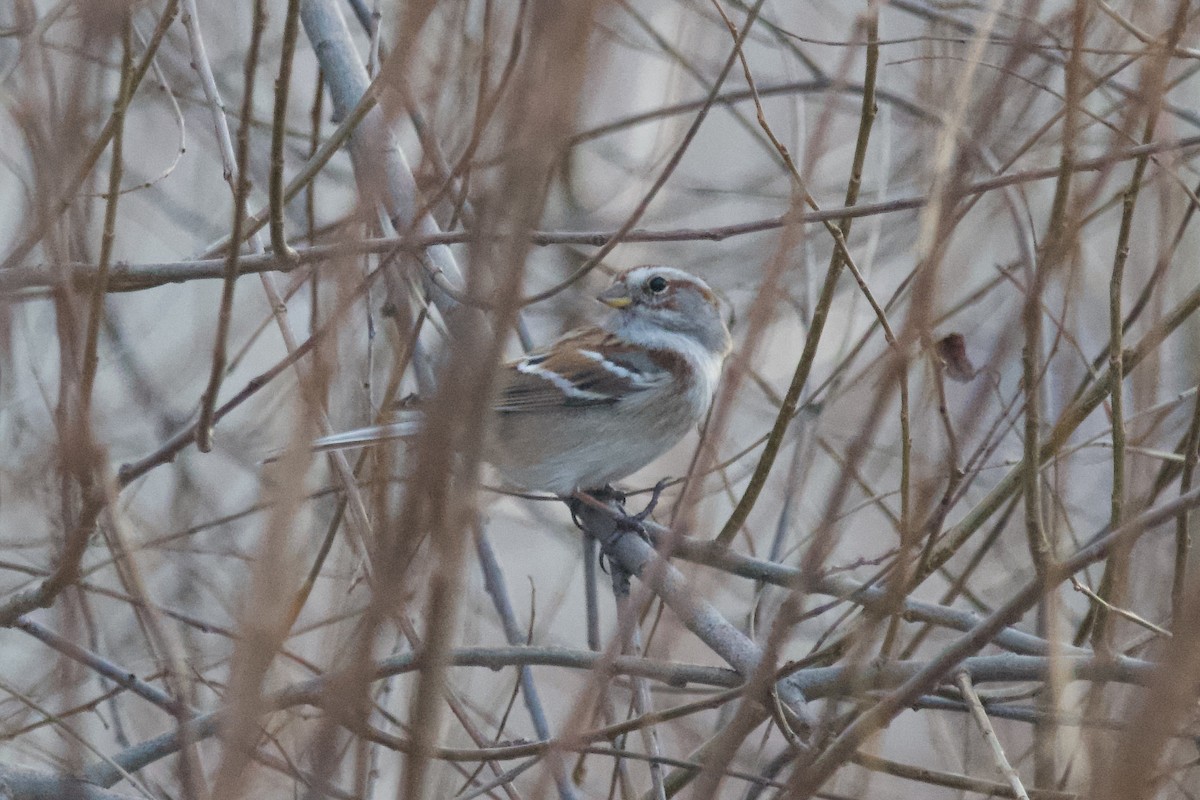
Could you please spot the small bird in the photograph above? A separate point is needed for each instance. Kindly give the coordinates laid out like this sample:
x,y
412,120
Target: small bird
x,y
603,401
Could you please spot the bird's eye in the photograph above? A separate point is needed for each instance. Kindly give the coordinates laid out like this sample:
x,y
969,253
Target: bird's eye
x,y
657,284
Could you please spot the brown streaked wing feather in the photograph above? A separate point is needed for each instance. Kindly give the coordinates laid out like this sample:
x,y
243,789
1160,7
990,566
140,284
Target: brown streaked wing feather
x,y
562,377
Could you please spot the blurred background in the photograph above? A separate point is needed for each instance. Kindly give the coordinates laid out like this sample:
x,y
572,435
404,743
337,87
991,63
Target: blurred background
x,y
1001,187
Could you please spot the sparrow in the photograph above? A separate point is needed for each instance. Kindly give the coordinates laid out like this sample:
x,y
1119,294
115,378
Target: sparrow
x,y
602,401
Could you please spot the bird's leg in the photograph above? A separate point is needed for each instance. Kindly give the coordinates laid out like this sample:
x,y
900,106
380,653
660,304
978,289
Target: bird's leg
x,y
623,521
607,494
635,523
595,497
573,505
598,499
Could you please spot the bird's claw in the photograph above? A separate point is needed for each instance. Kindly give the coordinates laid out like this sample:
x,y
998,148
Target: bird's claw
x,y
624,522
655,496
636,523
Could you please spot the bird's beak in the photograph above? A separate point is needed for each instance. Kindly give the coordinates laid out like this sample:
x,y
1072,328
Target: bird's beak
x,y
615,296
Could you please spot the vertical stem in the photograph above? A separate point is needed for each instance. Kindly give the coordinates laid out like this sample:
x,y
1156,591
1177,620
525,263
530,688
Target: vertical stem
x,y
837,261
1113,581
497,589
643,705
291,31
591,554
1056,250
310,201
242,189
91,357
1191,452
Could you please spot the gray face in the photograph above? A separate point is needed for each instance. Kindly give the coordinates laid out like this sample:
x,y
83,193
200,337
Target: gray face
x,y
676,301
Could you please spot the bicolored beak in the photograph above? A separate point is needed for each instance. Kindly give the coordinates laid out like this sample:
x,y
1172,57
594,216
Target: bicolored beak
x,y
615,296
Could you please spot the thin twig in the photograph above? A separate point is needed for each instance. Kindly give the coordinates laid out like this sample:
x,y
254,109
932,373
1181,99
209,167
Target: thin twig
x,y
91,358
241,186
810,780
963,681
291,31
495,584
63,201
131,277
1120,612
819,682
1112,583
951,780
840,258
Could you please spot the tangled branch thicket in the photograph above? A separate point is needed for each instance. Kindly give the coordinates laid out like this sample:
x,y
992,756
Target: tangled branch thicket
x,y
933,540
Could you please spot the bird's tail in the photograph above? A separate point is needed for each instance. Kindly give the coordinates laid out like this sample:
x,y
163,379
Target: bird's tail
x,y
372,434
360,437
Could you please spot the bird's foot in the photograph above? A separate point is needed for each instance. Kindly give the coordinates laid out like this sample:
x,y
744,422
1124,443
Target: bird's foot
x,y
624,522
636,523
655,496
